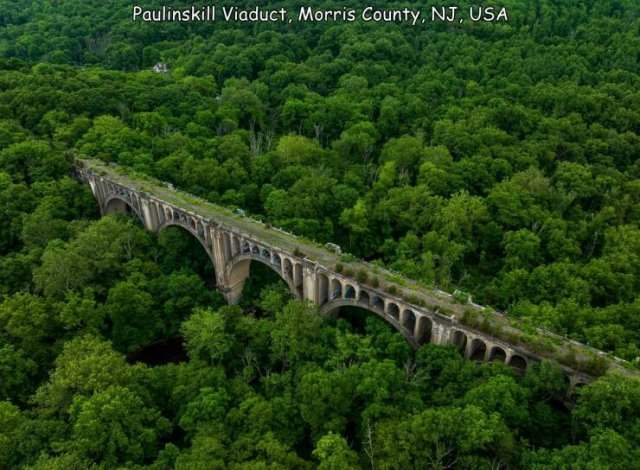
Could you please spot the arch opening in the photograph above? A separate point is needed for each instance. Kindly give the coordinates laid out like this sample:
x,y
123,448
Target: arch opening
x,y
478,350
460,341
378,303
409,320
277,262
184,250
323,289
364,298
362,317
336,289
497,354
251,277
349,292
117,205
518,362
394,311
288,269
424,330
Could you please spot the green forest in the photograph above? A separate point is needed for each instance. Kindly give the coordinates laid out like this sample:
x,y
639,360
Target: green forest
x,y
501,160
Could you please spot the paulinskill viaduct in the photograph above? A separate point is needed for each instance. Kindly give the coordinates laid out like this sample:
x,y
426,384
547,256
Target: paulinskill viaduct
x,y
234,242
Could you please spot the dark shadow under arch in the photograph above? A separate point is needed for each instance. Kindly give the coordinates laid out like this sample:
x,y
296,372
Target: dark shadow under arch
x,y
239,270
199,260
478,350
332,307
119,205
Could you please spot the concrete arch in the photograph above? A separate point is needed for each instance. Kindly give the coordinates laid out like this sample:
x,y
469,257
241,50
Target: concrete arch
x,y
277,261
497,354
408,320
423,329
323,289
349,292
378,303
478,350
117,204
297,274
336,304
364,298
460,340
393,311
336,289
171,223
287,269
518,362
239,269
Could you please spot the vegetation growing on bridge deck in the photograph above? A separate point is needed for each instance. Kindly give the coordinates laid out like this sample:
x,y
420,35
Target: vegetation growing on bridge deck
x,y
497,159
457,306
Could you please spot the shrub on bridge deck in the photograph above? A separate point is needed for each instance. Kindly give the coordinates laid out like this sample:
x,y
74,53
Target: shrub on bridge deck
x,y
393,290
415,300
362,277
594,365
339,267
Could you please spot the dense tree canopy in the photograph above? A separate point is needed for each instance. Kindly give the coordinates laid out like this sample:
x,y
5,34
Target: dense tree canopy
x,y
498,159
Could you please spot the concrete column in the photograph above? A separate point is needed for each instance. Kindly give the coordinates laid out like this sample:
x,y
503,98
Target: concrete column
x,y
148,215
420,326
509,353
219,258
309,284
403,316
487,352
467,349
441,334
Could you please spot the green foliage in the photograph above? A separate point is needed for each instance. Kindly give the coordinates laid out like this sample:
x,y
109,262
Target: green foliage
x,y
205,335
496,159
113,426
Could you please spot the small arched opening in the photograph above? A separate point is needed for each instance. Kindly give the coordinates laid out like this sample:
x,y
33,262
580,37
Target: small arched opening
x,y
349,292
364,298
119,206
460,341
393,311
246,248
424,329
255,250
409,320
518,362
336,289
277,262
378,303
497,354
297,274
323,289
266,254
288,269
478,350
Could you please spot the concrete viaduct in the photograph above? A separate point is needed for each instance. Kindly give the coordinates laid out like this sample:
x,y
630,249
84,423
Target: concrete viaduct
x,y
233,243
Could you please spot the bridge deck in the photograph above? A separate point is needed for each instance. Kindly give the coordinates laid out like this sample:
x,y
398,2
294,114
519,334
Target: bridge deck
x,y
543,343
